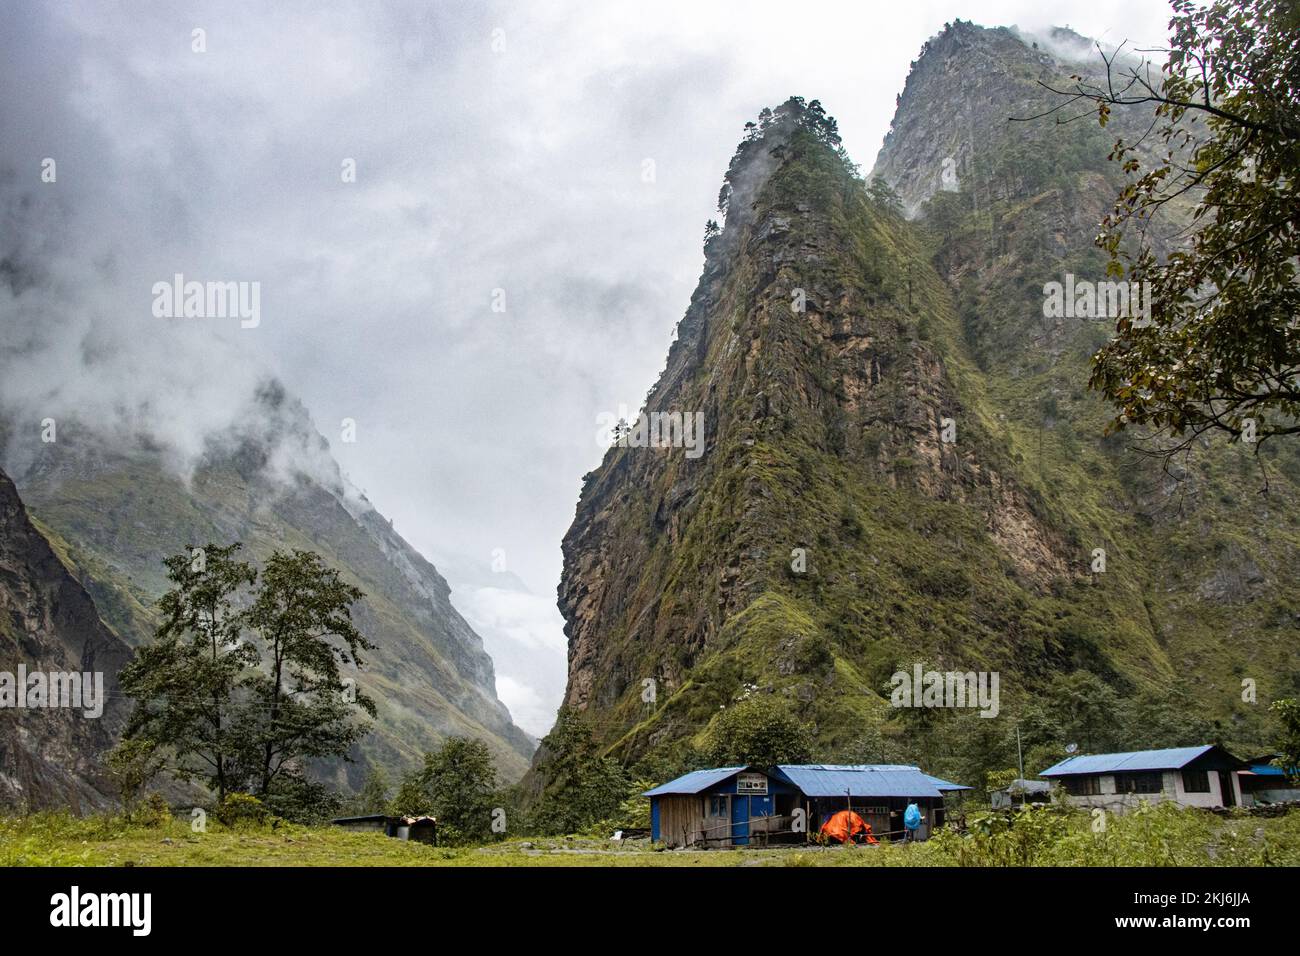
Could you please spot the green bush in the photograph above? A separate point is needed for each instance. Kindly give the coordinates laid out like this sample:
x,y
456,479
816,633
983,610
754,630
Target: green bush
x,y
241,810
1163,835
304,801
153,813
759,731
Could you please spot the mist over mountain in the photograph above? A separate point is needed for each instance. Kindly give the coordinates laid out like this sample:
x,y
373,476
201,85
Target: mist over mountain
x,y
554,168
115,505
521,630
133,436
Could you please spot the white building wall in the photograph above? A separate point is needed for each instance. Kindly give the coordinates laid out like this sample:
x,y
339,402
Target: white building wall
x,y
1212,799
1171,790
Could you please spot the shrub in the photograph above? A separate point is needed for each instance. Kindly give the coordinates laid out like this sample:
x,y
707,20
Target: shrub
x,y
154,812
241,809
759,731
304,801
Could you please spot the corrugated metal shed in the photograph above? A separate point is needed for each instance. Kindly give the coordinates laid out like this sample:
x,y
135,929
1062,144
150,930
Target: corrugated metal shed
x,y
1266,770
864,780
1263,766
693,782
1172,758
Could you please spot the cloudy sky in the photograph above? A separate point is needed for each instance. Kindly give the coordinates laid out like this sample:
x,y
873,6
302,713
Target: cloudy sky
x,y
555,160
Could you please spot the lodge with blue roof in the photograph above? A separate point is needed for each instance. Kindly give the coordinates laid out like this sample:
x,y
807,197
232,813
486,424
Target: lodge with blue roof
x,y
1204,776
794,803
742,806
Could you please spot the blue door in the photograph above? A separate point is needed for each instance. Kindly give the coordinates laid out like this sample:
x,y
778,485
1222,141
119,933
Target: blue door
x,y
740,820
760,807
745,808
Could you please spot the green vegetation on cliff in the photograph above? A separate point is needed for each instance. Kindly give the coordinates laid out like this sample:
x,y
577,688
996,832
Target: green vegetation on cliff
x,y
903,465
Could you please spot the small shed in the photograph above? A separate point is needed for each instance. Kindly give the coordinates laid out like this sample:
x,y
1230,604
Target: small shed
x,y
1263,781
422,829
743,806
371,823
1019,792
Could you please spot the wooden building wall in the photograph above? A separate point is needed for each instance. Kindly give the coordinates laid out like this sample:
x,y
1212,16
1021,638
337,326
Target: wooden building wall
x,y
685,820
681,819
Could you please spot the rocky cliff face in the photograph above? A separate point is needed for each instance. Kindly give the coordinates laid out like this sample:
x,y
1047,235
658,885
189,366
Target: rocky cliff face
x,y
51,757
963,114
902,462
1208,538
117,508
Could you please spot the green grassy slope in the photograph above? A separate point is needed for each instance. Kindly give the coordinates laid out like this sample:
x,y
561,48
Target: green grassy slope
x,y
1165,837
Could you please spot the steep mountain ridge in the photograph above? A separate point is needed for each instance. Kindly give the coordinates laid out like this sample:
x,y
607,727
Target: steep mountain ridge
x,y
1213,530
52,757
908,468
116,508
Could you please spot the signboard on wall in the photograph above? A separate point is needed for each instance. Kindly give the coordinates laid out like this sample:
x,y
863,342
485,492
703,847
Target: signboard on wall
x,y
751,783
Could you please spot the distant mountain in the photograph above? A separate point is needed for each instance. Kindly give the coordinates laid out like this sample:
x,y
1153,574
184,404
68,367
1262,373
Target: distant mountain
x,y
115,506
52,757
902,462
522,631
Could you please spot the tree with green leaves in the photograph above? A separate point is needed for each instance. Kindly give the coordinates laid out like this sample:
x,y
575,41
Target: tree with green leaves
x,y
1220,350
884,197
206,699
759,731
1163,717
458,785
185,682
412,798
999,779
795,115
584,786
133,764
301,706
1288,711
1076,708
373,795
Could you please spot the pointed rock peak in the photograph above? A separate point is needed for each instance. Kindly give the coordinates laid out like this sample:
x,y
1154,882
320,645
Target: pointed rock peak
x,y
774,136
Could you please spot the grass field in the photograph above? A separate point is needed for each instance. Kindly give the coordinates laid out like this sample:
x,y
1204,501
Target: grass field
x,y
1162,837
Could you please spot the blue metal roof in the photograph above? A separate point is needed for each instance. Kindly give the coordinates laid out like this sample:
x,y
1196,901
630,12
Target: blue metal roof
x,y
1171,758
825,780
1263,766
1266,770
865,780
694,782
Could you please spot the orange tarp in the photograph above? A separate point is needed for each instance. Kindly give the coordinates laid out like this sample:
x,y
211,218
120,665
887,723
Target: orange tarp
x,y
846,825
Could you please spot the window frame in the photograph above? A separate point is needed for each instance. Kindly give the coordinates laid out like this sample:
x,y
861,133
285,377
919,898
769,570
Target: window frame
x,y
1129,783
1083,785
1202,775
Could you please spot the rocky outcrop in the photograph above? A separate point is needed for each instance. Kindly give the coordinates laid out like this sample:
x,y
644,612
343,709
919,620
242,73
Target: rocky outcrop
x,y
51,756
902,461
830,415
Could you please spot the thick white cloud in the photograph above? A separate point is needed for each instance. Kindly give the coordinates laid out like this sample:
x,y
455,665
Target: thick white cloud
x,y
497,146
524,634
